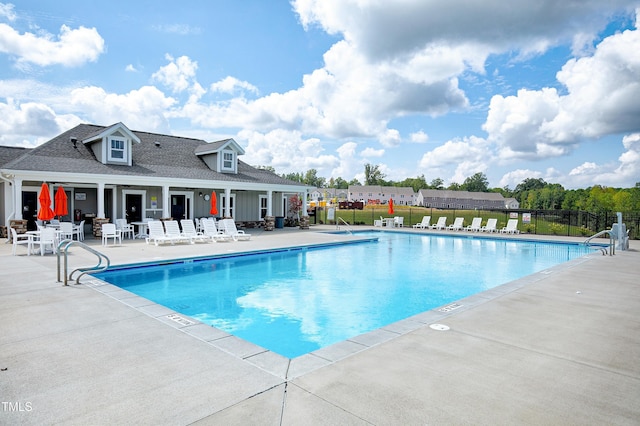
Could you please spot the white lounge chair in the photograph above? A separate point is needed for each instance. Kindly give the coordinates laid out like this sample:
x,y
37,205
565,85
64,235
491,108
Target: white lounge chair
x,y
425,223
456,225
475,225
229,227
490,226
156,233
109,230
441,224
19,240
172,231
511,228
398,222
189,231
210,230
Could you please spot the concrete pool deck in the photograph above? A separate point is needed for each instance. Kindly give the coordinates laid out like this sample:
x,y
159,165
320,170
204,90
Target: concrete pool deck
x,y
558,347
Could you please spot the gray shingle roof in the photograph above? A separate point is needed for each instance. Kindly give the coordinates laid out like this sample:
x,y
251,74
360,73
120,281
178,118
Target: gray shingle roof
x,y
172,157
10,153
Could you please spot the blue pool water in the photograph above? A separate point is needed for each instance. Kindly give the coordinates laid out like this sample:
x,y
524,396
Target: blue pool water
x,y
296,301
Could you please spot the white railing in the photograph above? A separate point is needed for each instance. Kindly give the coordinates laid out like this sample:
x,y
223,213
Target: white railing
x,y
345,224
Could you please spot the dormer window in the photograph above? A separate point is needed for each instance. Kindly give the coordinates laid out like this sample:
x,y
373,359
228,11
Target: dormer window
x,y
117,150
228,160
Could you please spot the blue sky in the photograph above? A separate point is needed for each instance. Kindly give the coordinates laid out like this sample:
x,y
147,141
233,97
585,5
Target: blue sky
x,y
515,90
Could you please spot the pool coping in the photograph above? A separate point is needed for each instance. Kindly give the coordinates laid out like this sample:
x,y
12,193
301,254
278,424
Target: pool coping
x,y
291,368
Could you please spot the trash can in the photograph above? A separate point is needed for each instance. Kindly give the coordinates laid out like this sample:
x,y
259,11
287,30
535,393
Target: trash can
x,y
279,222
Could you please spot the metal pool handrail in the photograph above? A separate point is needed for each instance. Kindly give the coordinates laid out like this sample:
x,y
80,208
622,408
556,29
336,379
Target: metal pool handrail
x,y
345,223
612,246
99,267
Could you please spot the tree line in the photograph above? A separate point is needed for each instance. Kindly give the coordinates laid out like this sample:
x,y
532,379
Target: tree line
x,y
531,193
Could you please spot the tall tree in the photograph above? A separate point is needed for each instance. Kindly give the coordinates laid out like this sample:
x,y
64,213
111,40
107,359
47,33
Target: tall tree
x,y
476,183
373,175
437,183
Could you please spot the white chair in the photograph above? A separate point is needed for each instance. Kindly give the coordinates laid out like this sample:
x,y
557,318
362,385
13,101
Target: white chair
x,y
109,230
475,225
66,231
398,222
229,227
490,226
425,223
441,224
172,231
210,230
511,228
377,223
189,231
47,239
78,231
456,225
125,228
20,240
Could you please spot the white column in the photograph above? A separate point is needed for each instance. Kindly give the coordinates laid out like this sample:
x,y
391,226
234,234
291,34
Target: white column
x,y
269,203
227,206
166,202
100,213
114,203
304,203
17,200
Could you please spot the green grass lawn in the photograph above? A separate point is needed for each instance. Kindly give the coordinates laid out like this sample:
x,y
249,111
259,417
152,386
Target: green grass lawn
x,y
413,215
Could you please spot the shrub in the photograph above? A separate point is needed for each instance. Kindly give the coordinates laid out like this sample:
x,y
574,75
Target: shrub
x,y
556,228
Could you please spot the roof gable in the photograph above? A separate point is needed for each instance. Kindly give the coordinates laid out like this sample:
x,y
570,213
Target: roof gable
x,y
115,128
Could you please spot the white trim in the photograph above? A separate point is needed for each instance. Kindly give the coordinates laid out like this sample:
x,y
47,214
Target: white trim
x,y
188,195
123,207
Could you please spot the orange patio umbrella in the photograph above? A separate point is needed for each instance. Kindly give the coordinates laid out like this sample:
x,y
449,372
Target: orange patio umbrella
x,y
214,204
390,205
45,212
60,198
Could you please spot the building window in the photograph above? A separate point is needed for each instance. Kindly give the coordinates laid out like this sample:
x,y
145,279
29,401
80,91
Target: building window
x,y
117,150
228,158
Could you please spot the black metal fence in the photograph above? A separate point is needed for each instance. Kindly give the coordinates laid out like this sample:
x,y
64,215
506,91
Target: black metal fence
x,y
542,222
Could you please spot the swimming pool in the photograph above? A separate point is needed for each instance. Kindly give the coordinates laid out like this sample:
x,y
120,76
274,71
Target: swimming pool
x,y
298,300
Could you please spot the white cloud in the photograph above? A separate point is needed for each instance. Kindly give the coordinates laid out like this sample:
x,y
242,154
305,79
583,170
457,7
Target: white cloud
x,y
286,151
390,138
72,47
179,75
130,68
542,124
371,152
180,29
231,84
6,11
419,137
31,123
514,177
142,109
469,156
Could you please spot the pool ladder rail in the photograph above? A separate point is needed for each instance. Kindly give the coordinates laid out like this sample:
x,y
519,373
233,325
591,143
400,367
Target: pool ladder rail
x,y
63,249
345,224
612,246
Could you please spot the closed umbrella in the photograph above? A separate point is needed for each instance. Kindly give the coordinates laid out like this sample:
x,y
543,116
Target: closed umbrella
x,y
45,213
390,205
214,204
60,198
